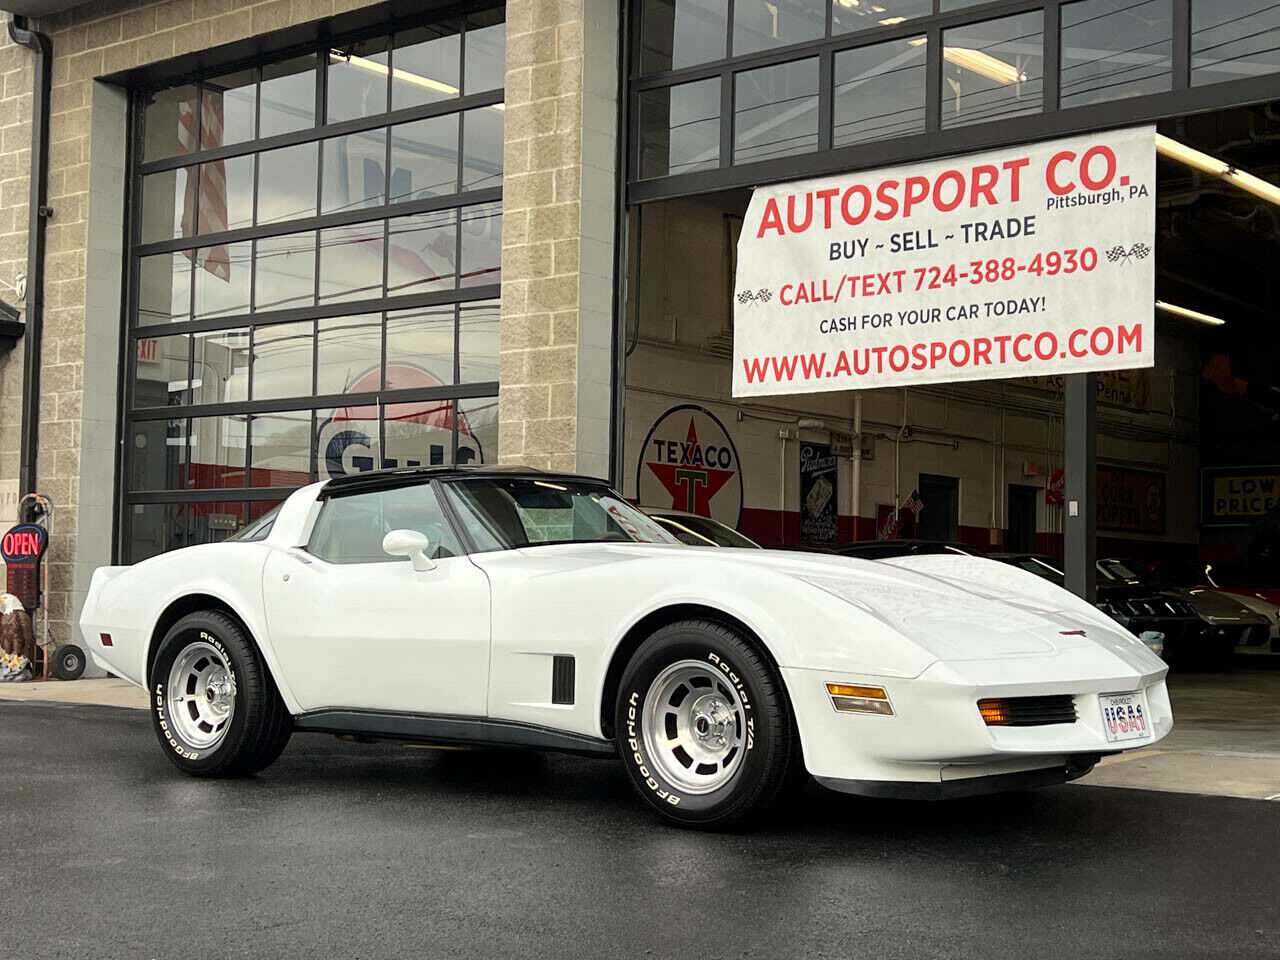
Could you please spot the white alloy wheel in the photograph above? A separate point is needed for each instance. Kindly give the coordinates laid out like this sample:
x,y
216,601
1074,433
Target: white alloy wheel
x,y
693,727
201,695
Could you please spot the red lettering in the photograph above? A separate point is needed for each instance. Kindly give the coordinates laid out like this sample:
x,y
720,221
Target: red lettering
x,y
915,190
953,177
1076,351
803,225
1051,174
1050,346
865,195
985,176
772,219
825,196
1102,341
889,202
1130,337
1109,173
1015,176
1018,342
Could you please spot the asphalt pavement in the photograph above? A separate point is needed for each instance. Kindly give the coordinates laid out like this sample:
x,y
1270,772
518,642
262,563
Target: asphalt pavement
x,y
345,850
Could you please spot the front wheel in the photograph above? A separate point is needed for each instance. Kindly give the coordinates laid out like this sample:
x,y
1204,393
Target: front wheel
x,y
214,706
704,726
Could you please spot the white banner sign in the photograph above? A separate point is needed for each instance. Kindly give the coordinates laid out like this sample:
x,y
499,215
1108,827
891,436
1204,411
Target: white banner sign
x,y
1024,261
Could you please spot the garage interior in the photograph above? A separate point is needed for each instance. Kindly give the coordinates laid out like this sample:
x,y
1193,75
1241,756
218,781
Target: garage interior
x,y
1187,482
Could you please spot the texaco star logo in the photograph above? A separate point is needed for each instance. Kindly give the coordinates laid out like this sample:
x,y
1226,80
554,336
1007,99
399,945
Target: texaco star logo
x,y
688,462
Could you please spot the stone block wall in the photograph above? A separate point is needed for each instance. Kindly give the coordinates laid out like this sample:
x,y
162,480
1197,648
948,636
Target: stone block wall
x,y
557,235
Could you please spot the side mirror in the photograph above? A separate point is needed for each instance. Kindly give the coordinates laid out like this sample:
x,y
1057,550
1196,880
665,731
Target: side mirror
x,y
411,544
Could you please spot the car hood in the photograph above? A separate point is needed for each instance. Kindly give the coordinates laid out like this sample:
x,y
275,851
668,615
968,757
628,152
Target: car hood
x,y
955,607
1218,607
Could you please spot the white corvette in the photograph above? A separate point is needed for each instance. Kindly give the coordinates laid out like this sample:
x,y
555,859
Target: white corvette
x,y
486,606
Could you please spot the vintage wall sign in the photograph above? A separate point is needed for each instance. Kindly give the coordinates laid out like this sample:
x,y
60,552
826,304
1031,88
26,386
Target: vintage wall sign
x,y
689,462
1130,389
1131,500
1238,496
819,501
1034,260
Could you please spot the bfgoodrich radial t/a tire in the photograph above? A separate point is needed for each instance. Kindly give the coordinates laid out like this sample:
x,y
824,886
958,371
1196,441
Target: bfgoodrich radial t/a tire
x,y
704,727
214,706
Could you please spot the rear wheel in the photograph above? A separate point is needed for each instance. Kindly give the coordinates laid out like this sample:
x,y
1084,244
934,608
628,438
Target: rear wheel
x,y
704,726
214,706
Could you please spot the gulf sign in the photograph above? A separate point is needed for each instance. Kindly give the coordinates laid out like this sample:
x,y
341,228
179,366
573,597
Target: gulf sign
x,y
1035,260
416,433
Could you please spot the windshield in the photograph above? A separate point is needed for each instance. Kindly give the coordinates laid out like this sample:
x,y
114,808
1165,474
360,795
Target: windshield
x,y
702,532
1132,572
502,513
1040,568
1119,570
258,529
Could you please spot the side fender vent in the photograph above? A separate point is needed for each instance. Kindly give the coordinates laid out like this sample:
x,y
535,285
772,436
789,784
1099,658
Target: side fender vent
x,y
562,679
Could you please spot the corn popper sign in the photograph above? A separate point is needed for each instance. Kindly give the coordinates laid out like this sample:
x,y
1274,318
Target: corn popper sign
x,y
1025,261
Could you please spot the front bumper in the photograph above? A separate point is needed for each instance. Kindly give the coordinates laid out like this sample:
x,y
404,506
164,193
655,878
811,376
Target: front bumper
x,y
937,736
1073,768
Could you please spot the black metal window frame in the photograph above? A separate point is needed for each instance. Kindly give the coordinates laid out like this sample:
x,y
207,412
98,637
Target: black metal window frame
x,y
461,296
1182,99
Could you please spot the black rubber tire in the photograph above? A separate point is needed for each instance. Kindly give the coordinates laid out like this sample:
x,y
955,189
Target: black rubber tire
x,y
68,662
261,725
773,745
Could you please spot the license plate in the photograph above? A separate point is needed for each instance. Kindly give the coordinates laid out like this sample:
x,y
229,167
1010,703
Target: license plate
x,y
1124,717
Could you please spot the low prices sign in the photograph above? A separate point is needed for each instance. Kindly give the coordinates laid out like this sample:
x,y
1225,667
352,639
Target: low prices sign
x,y
1238,496
1027,261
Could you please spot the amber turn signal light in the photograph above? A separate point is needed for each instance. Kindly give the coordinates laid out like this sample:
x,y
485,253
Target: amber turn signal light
x,y
852,698
994,713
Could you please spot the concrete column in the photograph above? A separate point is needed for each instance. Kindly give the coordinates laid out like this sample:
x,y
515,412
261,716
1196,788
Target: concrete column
x,y
557,236
1080,454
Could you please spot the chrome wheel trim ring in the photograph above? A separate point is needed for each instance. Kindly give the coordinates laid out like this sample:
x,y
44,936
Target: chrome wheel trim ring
x,y
694,727
200,699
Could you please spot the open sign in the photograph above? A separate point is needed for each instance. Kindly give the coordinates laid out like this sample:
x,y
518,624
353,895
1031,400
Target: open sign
x,y
22,548
25,542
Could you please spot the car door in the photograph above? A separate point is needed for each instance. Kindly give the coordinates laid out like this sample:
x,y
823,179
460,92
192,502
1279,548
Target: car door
x,y
354,628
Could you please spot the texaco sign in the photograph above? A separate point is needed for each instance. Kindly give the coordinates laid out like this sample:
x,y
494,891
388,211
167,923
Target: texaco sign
x,y
688,462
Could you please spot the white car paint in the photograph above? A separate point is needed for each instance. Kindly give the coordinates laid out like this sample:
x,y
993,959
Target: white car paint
x,y
474,637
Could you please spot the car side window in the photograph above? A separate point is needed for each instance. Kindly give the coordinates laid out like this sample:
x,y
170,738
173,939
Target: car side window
x,y
350,529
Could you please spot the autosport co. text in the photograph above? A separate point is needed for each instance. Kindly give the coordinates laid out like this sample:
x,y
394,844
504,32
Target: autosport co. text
x,y
959,353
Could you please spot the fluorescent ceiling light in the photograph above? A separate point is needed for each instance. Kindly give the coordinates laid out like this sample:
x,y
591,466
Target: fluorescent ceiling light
x,y
1187,314
1168,147
993,68
890,21
984,64
404,76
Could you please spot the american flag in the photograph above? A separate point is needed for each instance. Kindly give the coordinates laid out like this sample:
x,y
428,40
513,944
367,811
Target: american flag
x,y
914,503
205,202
